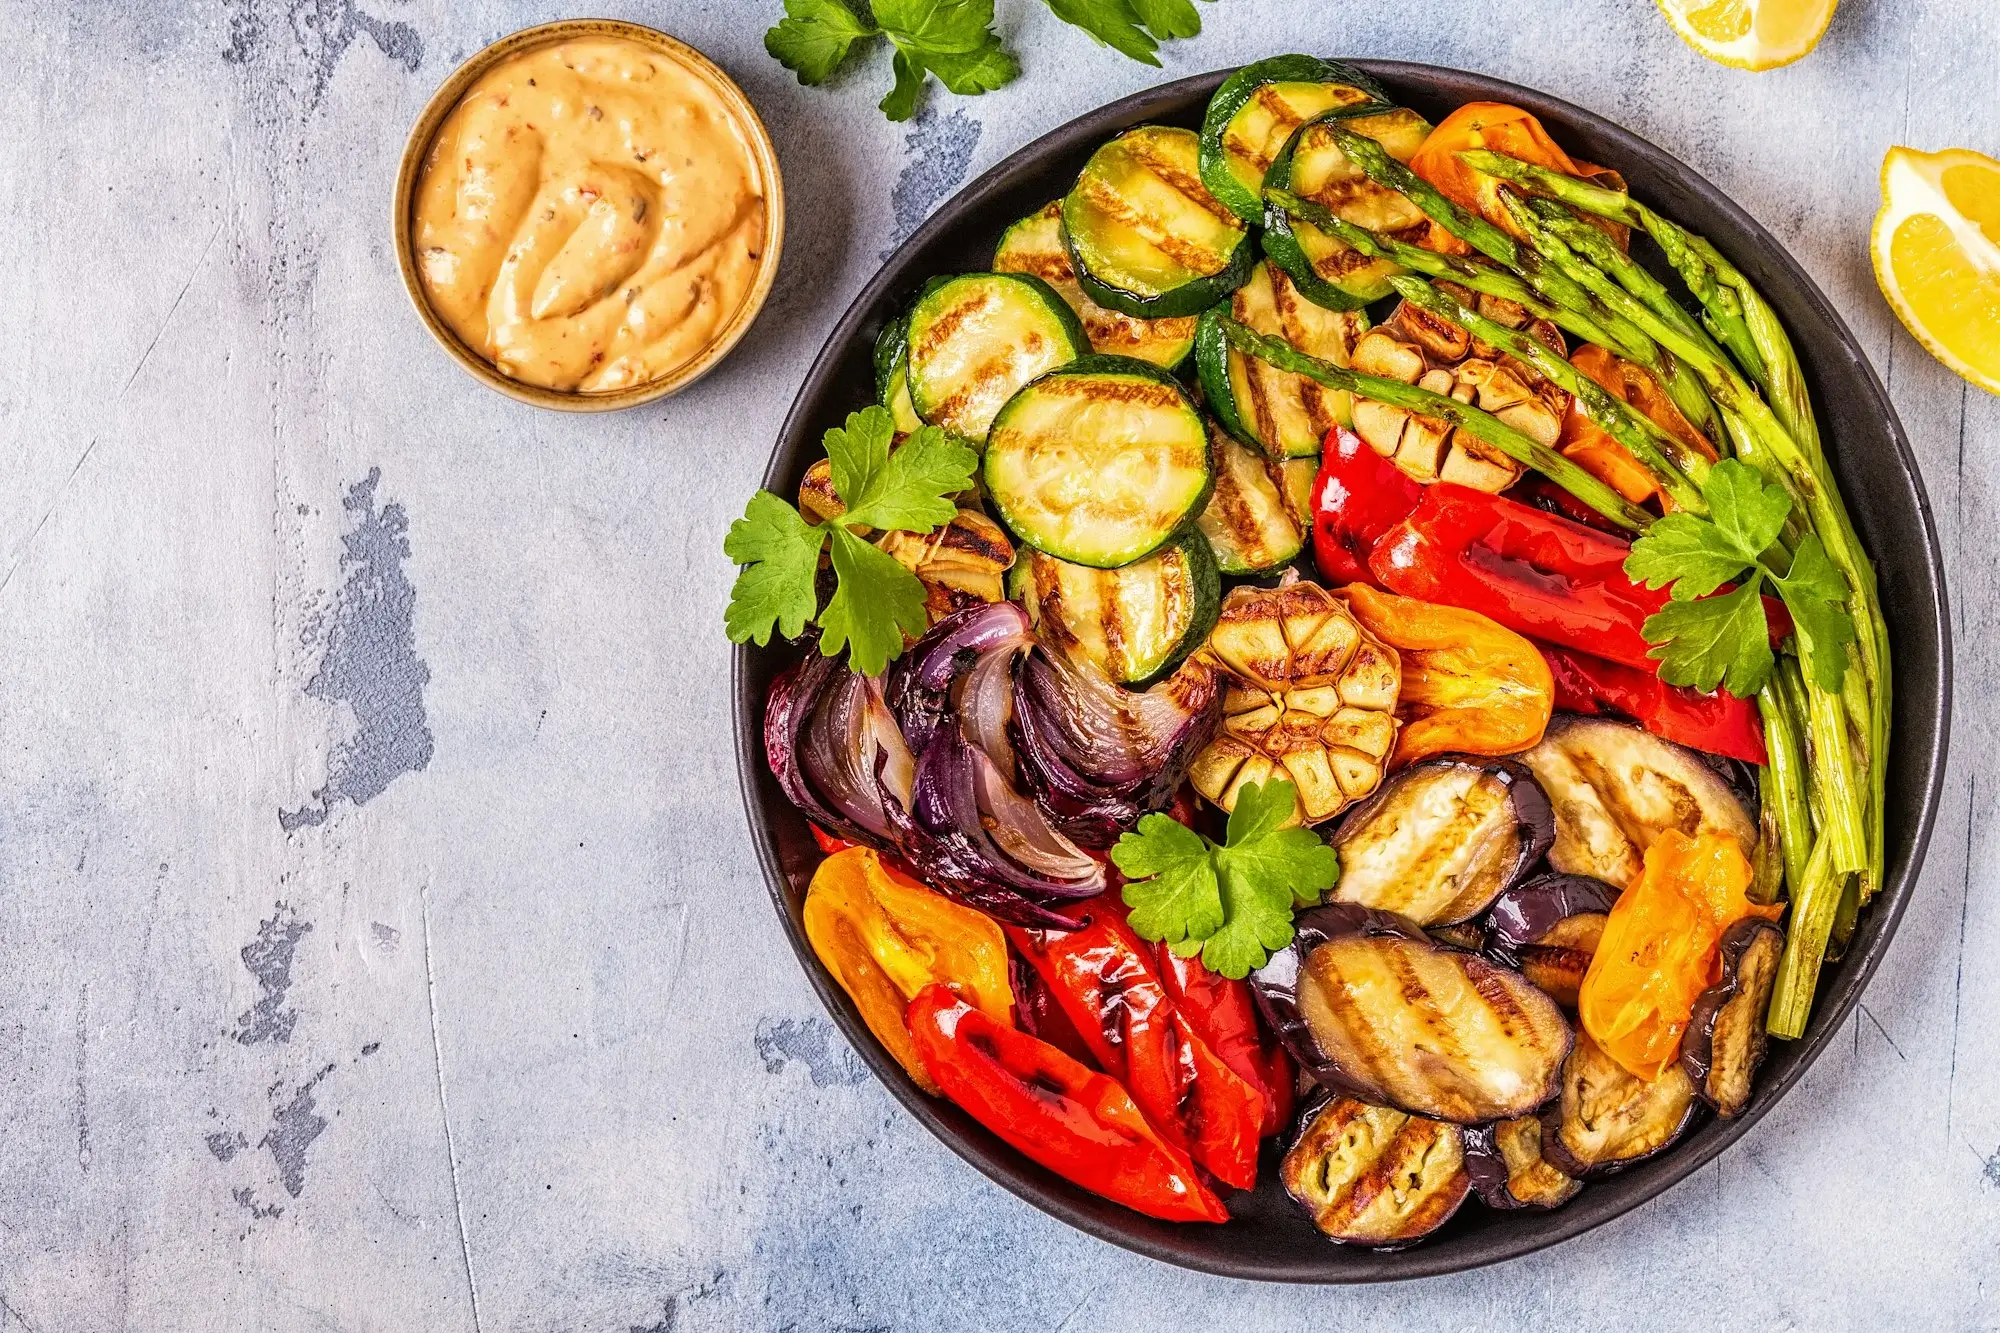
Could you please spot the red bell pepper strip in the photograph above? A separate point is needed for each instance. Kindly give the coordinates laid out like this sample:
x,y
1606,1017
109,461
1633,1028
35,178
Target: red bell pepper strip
x,y
1225,1017
1357,496
827,842
1719,723
1533,572
1038,1013
1104,979
1075,1121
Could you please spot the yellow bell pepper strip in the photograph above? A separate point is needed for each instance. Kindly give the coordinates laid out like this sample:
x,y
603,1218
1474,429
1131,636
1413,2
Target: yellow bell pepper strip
x,y
1659,949
1470,684
885,937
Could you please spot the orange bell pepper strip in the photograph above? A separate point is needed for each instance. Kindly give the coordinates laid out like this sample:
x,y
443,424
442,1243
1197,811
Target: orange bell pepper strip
x,y
1502,129
885,937
1659,949
1591,448
1470,684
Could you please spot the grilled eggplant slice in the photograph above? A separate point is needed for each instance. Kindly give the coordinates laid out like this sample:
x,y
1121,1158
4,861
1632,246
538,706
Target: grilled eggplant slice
x,y
1145,236
1374,1176
1034,245
1508,1169
1251,521
1616,787
1549,928
1285,415
1725,1038
1373,1008
1443,839
1467,935
1314,166
1255,112
1099,463
1606,1119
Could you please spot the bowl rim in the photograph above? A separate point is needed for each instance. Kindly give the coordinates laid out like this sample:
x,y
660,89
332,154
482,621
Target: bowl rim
x,y
445,100
1014,1172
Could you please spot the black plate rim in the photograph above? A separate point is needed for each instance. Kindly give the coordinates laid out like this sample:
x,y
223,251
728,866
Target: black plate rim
x,y
1058,1198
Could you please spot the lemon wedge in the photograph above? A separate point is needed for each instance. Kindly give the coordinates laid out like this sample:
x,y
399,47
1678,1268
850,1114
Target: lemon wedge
x,y
1936,247
1750,34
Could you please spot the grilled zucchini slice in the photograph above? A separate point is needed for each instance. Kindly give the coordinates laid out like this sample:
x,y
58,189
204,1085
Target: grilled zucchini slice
x,y
975,339
1314,167
1139,622
1252,518
892,374
1256,110
1100,462
1034,245
1285,415
1145,236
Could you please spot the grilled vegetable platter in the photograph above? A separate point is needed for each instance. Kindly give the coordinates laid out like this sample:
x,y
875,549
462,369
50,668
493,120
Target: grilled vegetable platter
x,y
1336,659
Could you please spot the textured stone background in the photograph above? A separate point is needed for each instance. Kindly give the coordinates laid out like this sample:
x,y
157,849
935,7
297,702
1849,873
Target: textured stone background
x,y
380,946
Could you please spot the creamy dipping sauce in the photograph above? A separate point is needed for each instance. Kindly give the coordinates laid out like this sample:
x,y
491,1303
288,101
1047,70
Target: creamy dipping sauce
x,y
590,216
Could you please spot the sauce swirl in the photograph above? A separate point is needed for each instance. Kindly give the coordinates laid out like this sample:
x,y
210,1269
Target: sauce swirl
x,y
590,216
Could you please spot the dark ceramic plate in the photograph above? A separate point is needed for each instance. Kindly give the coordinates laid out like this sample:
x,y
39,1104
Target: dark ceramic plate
x,y
1269,1237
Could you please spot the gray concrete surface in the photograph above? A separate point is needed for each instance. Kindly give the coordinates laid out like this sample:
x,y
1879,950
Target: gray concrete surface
x,y
380,946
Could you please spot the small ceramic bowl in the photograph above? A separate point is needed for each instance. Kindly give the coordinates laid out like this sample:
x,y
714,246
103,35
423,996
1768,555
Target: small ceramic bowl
x,y
762,154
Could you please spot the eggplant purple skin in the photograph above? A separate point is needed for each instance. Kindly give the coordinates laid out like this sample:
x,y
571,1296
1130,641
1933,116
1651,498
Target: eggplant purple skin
x,y
1535,819
1526,912
1698,1044
1486,1163
1276,986
1317,1102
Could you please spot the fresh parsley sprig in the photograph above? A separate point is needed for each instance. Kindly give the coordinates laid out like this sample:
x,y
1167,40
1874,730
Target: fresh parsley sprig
x,y
876,601
1231,904
1703,638
954,39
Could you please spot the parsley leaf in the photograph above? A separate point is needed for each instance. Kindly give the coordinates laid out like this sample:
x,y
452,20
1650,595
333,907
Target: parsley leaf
x,y
780,554
815,37
1233,902
1115,23
1688,552
1172,888
1743,509
1722,639
1701,639
876,600
1168,19
1816,595
1699,555
954,39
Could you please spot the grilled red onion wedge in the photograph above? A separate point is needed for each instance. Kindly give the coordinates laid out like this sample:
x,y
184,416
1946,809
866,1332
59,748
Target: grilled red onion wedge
x,y
1549,928
1374,1176
1616,787
1442,839
1725,1038
1096,756
1508,1169
1607,1119
1373,1008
